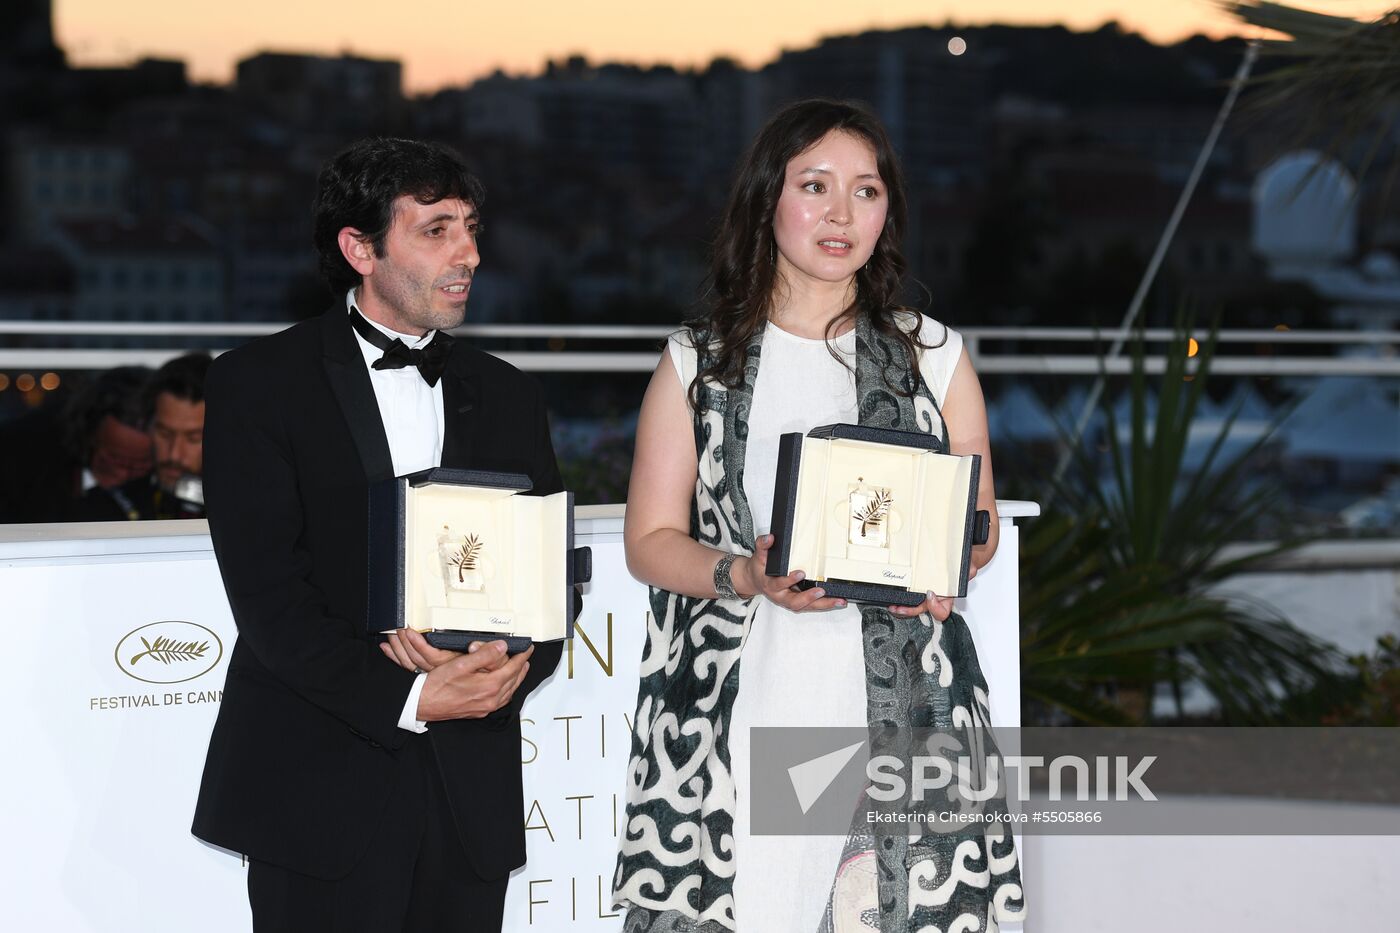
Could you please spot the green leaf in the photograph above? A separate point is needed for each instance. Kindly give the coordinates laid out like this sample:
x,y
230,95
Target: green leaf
x,y
1116,571
1341,85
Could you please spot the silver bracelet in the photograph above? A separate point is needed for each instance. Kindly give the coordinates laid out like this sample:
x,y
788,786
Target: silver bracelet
x,y
724,585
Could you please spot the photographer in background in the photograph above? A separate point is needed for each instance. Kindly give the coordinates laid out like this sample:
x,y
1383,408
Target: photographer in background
x,y
177,435
173,406
62,459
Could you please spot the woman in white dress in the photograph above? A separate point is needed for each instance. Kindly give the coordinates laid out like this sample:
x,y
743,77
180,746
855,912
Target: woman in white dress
x,y
804,329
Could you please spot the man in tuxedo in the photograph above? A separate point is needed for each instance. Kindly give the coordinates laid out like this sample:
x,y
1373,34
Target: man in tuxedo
x,y
374,787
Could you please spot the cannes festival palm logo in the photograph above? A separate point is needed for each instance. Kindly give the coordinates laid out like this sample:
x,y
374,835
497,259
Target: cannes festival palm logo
x,y
169,652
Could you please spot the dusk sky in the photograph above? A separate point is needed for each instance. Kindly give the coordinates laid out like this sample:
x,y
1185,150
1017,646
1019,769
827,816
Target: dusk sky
x,y
450,42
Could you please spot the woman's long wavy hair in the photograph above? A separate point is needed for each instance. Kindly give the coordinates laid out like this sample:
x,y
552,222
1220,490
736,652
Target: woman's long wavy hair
x,y
743,277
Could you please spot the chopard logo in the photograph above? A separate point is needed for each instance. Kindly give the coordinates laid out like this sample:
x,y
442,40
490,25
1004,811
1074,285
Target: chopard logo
x,y
891,575
169,652
497,620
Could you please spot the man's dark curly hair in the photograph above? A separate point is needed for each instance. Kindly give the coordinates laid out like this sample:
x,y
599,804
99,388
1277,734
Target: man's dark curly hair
x,y
182,377
358,186
119,392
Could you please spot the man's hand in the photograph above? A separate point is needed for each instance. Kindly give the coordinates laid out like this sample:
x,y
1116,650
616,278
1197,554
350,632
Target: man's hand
x,y
779,590
473,685
410,650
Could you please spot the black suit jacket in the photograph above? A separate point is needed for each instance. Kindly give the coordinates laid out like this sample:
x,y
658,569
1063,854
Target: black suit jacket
x,y
303,756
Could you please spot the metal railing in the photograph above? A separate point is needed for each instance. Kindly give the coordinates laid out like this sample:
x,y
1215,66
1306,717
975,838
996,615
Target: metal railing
x,y
1371,353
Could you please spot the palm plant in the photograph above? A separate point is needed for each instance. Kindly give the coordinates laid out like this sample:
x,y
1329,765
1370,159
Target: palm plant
x,y
1342,80
1119,595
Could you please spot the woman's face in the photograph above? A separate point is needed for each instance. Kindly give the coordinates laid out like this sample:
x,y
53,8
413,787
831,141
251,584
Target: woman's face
x,y
831,211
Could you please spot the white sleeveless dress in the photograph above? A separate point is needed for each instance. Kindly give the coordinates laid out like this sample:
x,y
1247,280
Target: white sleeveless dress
x,y
799,669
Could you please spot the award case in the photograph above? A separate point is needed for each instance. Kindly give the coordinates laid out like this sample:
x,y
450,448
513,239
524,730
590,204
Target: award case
x,y
461,556
875,515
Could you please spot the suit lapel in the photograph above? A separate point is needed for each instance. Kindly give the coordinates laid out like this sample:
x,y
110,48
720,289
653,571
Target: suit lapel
x,y
349,379
460,408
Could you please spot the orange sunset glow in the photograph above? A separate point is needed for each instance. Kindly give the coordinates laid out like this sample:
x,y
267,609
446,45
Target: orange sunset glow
x,y
444,43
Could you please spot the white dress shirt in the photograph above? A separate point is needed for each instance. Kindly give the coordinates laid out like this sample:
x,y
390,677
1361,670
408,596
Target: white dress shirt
x,y
411,411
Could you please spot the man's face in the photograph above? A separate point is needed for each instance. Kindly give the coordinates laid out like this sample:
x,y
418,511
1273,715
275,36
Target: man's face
x,y
120,453
177,437
422,280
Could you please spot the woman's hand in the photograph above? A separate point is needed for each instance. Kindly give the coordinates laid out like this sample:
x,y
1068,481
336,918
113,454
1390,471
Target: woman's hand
x,y
781,591
940,607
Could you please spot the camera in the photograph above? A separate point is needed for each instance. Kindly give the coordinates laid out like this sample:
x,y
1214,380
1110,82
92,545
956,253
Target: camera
x,y
189,494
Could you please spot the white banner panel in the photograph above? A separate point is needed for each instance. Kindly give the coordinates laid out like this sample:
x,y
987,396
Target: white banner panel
x,y
576,732
116,650
110,681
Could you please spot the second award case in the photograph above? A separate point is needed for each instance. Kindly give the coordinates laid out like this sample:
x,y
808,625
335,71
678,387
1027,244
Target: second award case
x,y
875,515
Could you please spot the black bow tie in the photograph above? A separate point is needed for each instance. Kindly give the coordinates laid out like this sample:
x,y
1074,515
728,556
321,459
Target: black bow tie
x,y
430,360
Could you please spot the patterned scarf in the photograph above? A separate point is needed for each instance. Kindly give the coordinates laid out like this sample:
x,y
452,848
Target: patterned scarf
x,y
676,864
